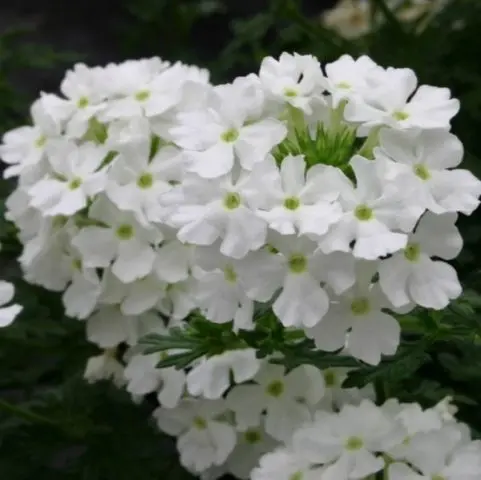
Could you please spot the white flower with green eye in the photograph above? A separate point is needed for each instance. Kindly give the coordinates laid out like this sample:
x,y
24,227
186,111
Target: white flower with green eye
x,y
357,320
228,131
120,239
76,176
292,200
206,210
413,276
204,437
285,398
374,212
424,162
137,182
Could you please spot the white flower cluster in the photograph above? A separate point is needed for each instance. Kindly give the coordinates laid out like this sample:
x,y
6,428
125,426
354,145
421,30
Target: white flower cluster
x,y
331,193
402,440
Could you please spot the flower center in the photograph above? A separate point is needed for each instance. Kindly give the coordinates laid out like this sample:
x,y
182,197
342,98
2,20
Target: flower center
x,y
298,263
292,203
330,378
344,85
400,116
230,136
360,306
125,231
232,201
438,477
296,476
41,141
82,102
77,264
142,95
252,436
75,183
145,181
290,92
354,443
199,423
422,172
363,213
275,388
412,252
230,275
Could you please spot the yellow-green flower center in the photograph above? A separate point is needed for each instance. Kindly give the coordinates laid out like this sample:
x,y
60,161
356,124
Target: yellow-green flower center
x,y
41,141
360,306
344,85
82,102
232,201
290,92
230,136
145,181
354,443
275,388
77,264
438,477
330,378
292,203
252,436
363,213
400,116
142,95
422,172
298,263
200,423
296,476
75,183
412,252
229,274
125,231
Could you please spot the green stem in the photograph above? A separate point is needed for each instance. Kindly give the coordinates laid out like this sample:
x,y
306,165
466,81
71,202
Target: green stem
x,y
371,141
26,414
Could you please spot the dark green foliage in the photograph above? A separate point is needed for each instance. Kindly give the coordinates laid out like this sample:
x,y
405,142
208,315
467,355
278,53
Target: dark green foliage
x,y
55,426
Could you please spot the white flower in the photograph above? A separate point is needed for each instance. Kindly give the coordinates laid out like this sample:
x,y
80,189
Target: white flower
x,y
105,367
411,275
80,298
146,87
335,396
220,294
23,148
420,160
346,77
348,441
217,135
76,176
285,398
388,99
293,79
284,464
121,240
293,201
251,446
208,210
360,311
137,182
432,454
84,89
211,377
143,377
204,439
298,269
373,210
7,314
